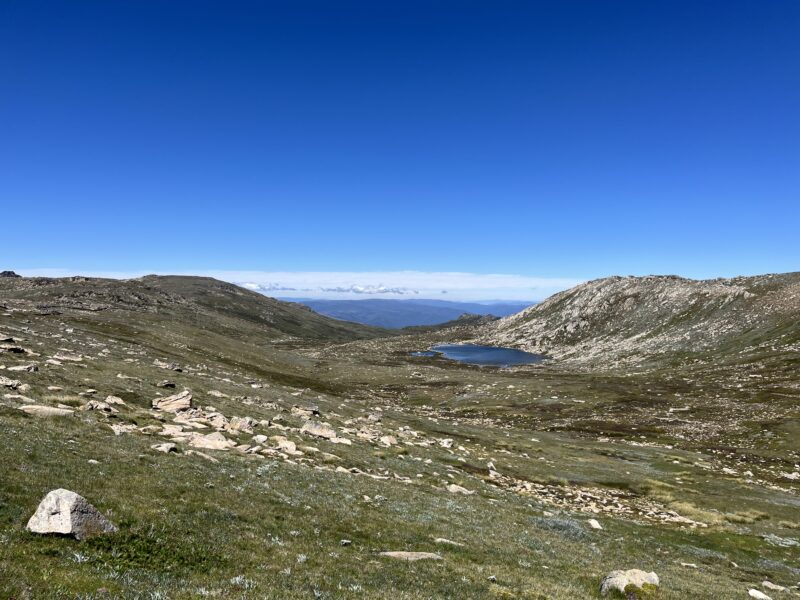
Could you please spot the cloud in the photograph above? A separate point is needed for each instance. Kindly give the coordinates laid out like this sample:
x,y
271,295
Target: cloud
x,y
354,284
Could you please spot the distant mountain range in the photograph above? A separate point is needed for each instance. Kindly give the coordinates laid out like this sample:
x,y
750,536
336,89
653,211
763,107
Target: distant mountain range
x,y
406,313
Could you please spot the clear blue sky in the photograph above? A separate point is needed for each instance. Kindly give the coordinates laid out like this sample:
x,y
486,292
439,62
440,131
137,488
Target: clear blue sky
x,y
550,138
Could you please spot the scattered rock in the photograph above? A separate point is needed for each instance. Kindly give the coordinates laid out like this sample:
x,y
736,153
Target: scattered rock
x,y
176,403
757,594
595,524
166,383
774,587
67,513
619,580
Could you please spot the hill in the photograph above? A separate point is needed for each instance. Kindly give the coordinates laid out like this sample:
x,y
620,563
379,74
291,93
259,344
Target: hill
x,y
635,319
200,301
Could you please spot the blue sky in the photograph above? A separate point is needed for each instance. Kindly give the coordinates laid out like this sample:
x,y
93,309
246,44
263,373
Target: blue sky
x,y
551,140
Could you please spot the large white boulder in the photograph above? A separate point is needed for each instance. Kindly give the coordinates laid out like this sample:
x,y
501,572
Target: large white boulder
x,y
67,513
619,580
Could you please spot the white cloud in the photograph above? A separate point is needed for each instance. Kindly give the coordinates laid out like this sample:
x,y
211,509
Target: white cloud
x,y
380,284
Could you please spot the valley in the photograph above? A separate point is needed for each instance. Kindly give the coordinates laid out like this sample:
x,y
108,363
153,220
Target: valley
x,y
251,448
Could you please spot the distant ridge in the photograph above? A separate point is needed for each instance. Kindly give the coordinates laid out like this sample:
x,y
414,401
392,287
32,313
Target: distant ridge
x,y
396,314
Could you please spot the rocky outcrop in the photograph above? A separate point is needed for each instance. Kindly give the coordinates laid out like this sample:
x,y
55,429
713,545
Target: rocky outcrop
x,y
67,513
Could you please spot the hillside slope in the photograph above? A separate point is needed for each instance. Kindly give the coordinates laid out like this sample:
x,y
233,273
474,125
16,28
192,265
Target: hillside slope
x,y
205,302
635,318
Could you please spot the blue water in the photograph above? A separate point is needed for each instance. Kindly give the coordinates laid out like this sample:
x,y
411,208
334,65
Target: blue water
x,y
487,356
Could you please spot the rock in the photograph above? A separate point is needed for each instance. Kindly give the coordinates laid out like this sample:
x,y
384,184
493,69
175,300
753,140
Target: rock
x,y
9,383
412,555
9,274
212,441
217,420
37,410
619,580
114,400
243,424
388,440
757,594
285,445
446,443
595,524
345,543
54,388
12,349
32,368
315,428
166,383
448,542
457,489
169,366
217,394
99,406
165,447
772,586
120,428
66,513
19,398
63,356
176,403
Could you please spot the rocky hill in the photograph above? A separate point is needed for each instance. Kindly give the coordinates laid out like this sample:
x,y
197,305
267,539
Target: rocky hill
x,y
630,319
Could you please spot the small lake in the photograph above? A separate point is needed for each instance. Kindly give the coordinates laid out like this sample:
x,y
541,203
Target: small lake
x,y
486,356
